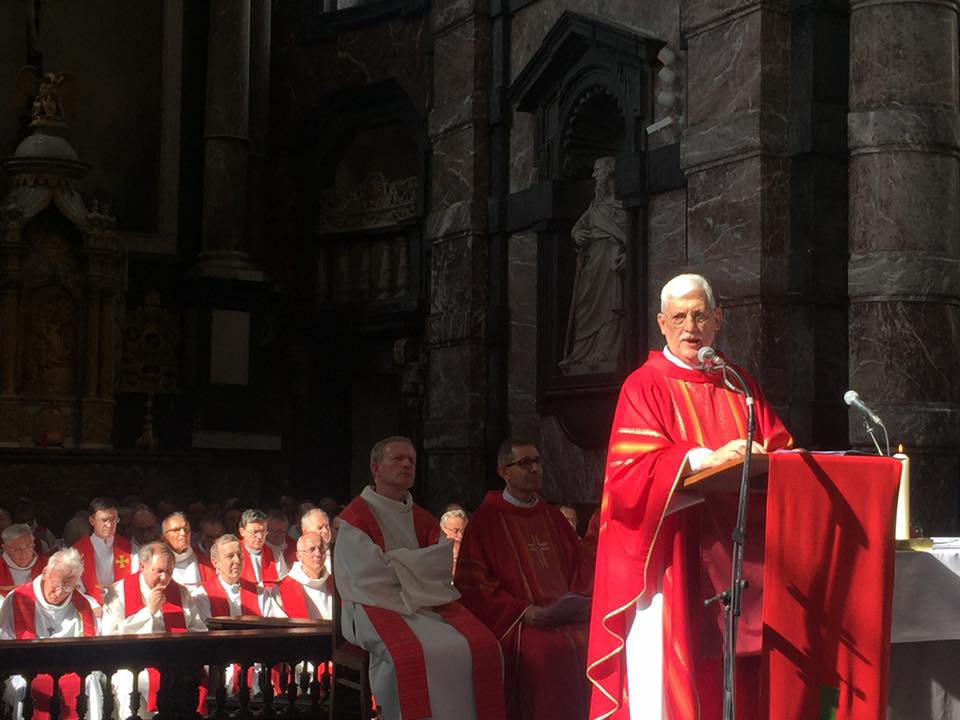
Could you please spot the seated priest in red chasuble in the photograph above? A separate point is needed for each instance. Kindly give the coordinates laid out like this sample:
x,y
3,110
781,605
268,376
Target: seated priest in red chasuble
x,y
655,651
21,561
523,572
429,656
107,557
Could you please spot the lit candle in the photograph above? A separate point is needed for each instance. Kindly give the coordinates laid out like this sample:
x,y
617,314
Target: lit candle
x,y
902,527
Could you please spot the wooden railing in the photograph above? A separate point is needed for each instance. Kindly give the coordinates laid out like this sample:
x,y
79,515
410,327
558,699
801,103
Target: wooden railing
x,y
185,662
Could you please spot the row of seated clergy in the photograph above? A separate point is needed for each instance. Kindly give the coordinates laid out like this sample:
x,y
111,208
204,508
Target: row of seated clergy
x,y
146,602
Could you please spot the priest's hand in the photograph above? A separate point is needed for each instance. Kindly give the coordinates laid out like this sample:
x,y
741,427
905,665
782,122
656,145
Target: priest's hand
x,y
155,599
537,616
732,450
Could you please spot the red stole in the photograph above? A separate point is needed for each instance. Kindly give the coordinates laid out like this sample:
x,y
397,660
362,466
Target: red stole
x,y
220,604
6,576
268,566
25,628
121,564
172,608
294,598
404,647
663,412
207,570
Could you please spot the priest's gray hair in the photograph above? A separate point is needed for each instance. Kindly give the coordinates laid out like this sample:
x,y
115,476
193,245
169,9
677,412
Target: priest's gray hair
x,y
222,540
252,515
151,550
450,515
684,285
376,452
69,561
311,518
15,531
168,520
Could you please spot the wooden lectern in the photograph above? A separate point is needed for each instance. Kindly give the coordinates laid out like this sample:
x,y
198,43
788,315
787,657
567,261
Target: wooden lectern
x,y
822,538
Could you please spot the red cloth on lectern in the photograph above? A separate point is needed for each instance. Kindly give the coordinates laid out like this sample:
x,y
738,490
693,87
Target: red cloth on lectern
x,y
828,595
514,557
663,412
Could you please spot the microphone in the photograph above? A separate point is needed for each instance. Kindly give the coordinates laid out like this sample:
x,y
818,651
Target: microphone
x,y
707,354
852,398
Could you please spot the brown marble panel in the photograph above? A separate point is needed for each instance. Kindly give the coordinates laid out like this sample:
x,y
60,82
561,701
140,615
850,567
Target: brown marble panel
x,y
913,127
458,275
449,12
571,474
523,171
461,58
905,201
454,395
935,493
456,477
460,217
903,53
522,352
724,69
396,49
460,167
724,216
904,274
695,14
905,351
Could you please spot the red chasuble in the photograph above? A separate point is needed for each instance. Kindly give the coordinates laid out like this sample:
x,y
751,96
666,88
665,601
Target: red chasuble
x,y
404,647
663,412
122,567
220,604
514,557
24,625
6,577
268,567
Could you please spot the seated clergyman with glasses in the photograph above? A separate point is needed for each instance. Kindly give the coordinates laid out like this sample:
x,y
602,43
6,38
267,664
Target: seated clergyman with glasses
x,y
521,571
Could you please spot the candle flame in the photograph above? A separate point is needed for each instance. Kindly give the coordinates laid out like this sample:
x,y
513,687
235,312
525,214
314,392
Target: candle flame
x,y
899,448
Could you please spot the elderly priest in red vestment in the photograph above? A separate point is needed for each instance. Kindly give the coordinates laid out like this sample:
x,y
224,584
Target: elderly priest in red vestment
x,y
21,561
150,601
521,571
429,656
646,657
306,590
50,606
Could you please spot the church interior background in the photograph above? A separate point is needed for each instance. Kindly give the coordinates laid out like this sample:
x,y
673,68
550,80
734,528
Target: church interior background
x,y
240,240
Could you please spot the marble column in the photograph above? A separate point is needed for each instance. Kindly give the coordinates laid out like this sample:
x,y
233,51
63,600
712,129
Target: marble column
x,y
453,435
904,269
226,142
734,155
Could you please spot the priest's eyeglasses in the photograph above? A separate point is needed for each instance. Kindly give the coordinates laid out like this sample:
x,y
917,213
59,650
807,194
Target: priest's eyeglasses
x,y
526,463
699,319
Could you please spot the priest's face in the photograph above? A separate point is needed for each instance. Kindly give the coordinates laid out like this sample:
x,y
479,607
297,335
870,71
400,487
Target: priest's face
x,y
393,475
254,534
104,523
57,585
228,562
688,324
311,552
524,474
20,550
159,571
176,534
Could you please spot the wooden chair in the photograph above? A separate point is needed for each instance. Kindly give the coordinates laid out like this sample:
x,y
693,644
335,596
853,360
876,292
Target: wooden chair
x,y
347,656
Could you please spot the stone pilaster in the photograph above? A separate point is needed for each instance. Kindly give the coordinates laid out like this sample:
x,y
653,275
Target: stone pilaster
x,y
904,270
456,226
734,157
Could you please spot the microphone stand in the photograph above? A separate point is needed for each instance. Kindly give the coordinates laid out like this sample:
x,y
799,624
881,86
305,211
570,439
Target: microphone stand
x,y
731,599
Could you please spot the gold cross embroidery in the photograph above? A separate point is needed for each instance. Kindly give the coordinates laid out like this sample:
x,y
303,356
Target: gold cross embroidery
x,y
539,547
122,561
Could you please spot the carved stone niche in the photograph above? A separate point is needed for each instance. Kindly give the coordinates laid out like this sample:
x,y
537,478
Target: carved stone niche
x,y
61,273
590,89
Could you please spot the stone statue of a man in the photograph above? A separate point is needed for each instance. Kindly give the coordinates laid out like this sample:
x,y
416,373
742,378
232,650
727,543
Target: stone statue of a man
x,y
595,327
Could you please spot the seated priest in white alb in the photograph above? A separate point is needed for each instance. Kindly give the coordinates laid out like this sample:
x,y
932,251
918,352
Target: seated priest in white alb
x,y
316,520
187,568
227,594
149,601
259,564
429,657
50,606
306,592
21,563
